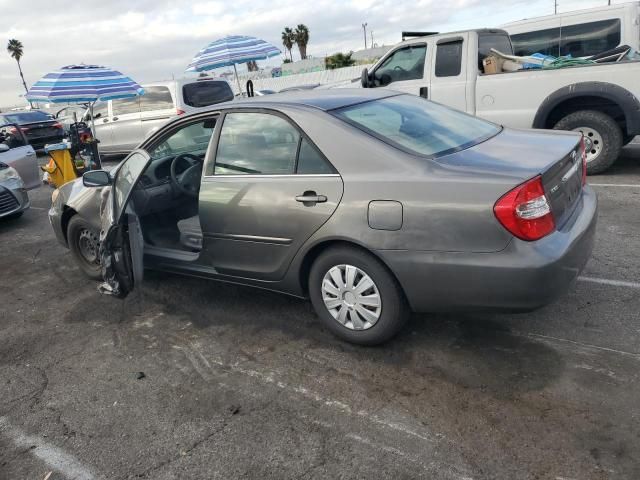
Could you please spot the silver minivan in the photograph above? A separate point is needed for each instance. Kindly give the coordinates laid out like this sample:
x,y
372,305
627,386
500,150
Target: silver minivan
x,y
122,124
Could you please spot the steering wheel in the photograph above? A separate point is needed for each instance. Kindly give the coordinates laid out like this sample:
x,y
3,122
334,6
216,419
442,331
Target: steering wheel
x,y
187,182
398,68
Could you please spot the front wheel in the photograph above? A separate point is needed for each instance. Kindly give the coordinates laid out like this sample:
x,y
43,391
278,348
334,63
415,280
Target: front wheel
x,y
356,297
602,137
84,244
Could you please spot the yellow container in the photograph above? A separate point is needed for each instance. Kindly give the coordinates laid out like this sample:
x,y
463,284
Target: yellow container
x,y
60,168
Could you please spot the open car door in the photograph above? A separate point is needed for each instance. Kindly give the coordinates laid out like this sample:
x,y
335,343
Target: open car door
x,y
121,241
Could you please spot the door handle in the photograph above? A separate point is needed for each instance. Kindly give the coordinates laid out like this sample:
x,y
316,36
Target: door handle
x,y
114,118
310,198
31,154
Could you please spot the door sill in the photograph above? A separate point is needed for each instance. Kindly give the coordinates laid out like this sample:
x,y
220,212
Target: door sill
x,y
171,253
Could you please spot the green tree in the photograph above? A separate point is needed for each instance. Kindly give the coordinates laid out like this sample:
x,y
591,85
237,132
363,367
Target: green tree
x,y
302,39
16,50
339,60
288,39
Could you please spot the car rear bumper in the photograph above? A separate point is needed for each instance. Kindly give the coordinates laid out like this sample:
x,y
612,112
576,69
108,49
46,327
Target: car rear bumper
x,y
39,142
524,276
13,201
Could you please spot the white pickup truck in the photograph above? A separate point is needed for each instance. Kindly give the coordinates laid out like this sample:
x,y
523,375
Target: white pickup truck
x,y
599,100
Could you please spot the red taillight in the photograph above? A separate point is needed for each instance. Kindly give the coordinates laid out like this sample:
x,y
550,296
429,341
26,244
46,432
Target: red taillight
x,y
57,125
525,211
180,112
583,152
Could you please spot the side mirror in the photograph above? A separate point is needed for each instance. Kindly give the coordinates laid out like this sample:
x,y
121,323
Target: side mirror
x,y
96,178
365,79
4,147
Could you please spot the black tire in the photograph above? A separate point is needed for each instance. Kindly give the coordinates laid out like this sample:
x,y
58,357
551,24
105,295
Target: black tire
x,y
77,228
606,127
394,309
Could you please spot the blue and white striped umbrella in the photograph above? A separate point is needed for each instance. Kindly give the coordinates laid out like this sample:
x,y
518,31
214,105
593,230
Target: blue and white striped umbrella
x,y
231,50
83,84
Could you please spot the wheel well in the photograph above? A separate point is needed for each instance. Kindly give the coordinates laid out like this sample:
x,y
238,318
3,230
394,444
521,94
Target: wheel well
x,y
576,104
67,213
315,252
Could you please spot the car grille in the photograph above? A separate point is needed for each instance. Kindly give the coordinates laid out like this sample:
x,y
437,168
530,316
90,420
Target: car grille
x,y
8,202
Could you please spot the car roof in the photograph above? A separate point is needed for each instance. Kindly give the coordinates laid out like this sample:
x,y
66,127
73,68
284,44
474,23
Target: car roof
x,y
319,99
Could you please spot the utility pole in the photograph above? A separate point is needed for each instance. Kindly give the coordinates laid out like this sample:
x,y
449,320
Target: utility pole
x,y
372,45
364,28
555,6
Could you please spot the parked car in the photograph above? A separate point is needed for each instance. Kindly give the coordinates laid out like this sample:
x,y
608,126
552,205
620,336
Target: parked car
x,y
122,124
370,202
581,33
19,155
39,127
602,101
14,199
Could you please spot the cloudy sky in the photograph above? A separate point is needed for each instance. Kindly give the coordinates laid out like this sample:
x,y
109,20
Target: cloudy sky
x,y
155,39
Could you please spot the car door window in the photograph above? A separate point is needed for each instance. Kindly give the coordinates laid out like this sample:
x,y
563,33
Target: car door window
x,y
589,38
311,161
256,143
126,178
449,59
123,106
156,98
545,41
193,139
406,63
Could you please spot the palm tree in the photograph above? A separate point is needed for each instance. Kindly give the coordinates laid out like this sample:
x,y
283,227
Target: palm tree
x,y
15,49
339,60
302,39
288,38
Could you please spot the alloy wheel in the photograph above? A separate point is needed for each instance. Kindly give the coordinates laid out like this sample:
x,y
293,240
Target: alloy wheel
x,y
89,246
592,142
351,297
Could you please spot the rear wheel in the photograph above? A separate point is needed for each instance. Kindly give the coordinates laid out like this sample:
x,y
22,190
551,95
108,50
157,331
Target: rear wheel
x,y
84,244
602,137
356,297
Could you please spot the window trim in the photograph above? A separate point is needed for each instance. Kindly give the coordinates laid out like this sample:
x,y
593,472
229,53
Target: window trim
x,y
210,159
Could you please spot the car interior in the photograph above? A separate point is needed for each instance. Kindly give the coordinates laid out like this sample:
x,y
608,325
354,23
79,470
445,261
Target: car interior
x,y
165,198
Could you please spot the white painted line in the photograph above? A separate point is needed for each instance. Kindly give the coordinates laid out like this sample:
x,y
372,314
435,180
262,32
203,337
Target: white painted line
x,y
585,345
626,185
613,283
38,208
53,456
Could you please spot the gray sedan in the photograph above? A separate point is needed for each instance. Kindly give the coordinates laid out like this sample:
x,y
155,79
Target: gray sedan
x,y
370,203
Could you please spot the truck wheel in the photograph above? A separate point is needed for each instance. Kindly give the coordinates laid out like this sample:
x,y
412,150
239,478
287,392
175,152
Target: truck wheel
x,y
602,137
84,244
356,297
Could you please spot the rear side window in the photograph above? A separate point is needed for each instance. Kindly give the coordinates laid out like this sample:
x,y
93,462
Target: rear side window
x,y
449,59
124,106
311,161
203,94
417,126
545,41
589,38
156,98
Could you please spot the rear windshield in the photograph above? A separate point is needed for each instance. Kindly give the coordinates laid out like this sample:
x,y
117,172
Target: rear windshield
x,y
26,117
203,94
418,126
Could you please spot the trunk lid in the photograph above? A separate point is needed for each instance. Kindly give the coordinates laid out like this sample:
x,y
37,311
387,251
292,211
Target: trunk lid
x,y
519,155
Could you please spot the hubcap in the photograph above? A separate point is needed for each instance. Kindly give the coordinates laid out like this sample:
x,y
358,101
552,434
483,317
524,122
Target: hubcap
x,y
592,142
351,297
89,244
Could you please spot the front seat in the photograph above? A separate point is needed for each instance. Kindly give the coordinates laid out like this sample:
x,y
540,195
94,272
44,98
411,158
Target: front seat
x,y
191,233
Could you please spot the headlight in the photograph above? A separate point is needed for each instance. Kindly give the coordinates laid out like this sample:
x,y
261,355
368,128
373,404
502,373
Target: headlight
x,y
54,195
8,173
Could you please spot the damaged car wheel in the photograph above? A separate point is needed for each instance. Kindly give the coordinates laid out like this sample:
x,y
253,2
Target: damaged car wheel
x,y
84,243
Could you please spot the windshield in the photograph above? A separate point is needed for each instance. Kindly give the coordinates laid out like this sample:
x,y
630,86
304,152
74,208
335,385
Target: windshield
x,y
27,117
418,126
203,94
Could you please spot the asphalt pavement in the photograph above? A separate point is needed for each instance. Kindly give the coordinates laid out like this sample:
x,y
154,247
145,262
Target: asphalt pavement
x,y
193,379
